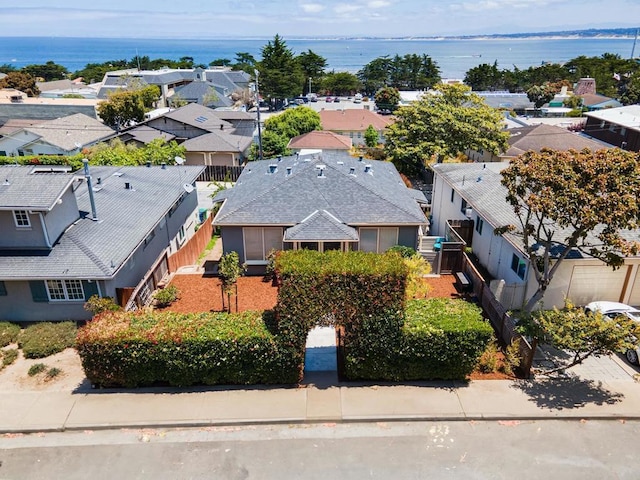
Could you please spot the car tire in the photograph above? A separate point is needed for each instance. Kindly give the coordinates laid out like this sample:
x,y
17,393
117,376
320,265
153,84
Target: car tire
x,y
632,356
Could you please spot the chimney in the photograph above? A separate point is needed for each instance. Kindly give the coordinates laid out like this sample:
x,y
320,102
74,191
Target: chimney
x,y
92,200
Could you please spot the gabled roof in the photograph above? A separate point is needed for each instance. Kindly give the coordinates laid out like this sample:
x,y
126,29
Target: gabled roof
x,y
98,249
21,188
145,134
197,116
355,192
320,139
591,99
218,141
196,91
537,137
321,226
352,119
68,132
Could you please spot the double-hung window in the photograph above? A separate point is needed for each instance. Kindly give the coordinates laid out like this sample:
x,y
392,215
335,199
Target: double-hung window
x,y
259,241
378,240
65,290
21,218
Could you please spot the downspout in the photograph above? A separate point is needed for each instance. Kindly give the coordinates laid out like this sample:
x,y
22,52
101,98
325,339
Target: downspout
x,y
44,229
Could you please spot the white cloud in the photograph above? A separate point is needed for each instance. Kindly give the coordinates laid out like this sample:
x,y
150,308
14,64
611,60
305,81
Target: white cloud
x,y
312,7
346,8
483,5
378,4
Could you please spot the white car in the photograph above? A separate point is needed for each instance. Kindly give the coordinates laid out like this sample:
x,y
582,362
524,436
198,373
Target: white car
x,y
612,310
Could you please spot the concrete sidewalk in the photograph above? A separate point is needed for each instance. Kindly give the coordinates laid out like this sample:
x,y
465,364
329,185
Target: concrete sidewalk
x,y
321,400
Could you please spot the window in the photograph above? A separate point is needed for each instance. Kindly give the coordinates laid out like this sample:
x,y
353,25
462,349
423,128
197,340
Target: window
x,y
378,240
518,265
149,238
612,127
3,153
181,236
258,241
463,206
3,289
623,131
453,193
21,218
65,290
479,225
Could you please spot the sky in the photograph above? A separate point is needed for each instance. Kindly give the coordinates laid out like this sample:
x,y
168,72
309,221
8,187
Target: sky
x,y
308,18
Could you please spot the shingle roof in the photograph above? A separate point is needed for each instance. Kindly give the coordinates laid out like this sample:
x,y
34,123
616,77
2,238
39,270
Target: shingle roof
x,y
541,136
218,141
198,116
321,226
323,140
21,188
344,190
146,134
352,119
196,91
70,131
590,99
97,249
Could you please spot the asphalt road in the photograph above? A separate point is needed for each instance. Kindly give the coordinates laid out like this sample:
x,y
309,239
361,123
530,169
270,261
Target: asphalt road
x,y
416,450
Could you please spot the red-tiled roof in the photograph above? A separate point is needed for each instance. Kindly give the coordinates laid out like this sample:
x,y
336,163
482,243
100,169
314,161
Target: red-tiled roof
x,y
352,120
323,140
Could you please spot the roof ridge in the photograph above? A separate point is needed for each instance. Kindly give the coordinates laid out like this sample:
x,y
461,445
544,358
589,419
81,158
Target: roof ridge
x,y
89,253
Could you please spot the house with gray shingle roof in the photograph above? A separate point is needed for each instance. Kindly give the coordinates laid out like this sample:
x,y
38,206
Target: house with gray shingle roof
x,y
63,136
473,191
63,242
323,201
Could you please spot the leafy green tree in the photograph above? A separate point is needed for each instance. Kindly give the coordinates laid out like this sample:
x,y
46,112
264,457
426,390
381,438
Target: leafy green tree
x,y
313,66
572,101
121,109
280,74
580,333
387,98
631,92
273,145
375,74
409,72
220,62
572,200
244,61
371,137
485,77
540,94
441,125
48,72
6,68
116,152
230,271
20,81
279,129
341,83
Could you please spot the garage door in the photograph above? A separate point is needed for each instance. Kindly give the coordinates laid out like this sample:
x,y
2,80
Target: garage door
x,y
634,299
590,283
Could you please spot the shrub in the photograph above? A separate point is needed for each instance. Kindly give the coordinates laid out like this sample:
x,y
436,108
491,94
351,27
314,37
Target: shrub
x,y
8,356
8,333
44,339
512,357
488,361
166,296
138,349
97,304
403,251
36,368
52,373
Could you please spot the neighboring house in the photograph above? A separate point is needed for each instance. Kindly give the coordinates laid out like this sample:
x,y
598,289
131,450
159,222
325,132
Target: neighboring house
x,y
474,192
45,108
210,137
12,95
595,101
353,123
617,126
62,243
63,136
320,140
513,102
326,201
535,138
170,80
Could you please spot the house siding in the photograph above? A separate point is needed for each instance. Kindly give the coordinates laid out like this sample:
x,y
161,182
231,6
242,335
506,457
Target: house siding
x,y
408,236
21,238
595,129
61,216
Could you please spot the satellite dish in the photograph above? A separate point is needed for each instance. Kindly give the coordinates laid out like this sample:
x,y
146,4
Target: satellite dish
x,y
179,160
188,187
78,145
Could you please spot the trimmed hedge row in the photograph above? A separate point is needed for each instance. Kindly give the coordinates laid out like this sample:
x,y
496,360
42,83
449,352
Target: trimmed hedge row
x,y
140,349
441,339
74,161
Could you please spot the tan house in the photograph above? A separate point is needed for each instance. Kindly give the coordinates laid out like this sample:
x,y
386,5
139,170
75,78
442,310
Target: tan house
x,y
353,123
320,140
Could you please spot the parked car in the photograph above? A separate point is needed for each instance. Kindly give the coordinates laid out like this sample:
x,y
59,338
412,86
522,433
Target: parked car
x,y
614,309
336,100
328,99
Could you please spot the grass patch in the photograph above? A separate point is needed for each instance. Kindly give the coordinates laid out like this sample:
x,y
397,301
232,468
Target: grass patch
x,y
8,333
8,357
52,373
44,339
36,368
207,249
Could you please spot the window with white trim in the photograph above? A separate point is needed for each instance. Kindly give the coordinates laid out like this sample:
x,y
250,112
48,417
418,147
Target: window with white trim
x,y
69,290
518,265
378,240
479,225
21,218
259,241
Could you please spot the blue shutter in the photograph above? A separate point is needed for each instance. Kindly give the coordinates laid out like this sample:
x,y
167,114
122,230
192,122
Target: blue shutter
x,y
90,288
3,289
38,291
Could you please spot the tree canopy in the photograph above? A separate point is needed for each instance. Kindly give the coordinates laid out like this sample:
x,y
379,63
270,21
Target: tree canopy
x,y
387,98
20,81
443,124
281,76
409,72
47,72
126,107
312,66
340,83
573,200
281,128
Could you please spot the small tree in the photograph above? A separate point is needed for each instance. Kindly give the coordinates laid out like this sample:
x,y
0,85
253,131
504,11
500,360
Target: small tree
x,y
371,137
387,98
230,270
540,94
20,81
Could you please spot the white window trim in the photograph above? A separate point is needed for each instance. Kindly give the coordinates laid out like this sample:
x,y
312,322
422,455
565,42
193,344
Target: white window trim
x,y
65,290
15,218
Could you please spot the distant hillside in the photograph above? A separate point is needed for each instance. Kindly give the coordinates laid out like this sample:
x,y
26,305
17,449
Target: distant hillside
x,y
589,33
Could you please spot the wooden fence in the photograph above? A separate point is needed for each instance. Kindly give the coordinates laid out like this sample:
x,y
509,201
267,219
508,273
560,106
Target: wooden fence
x,y
220,173
502,322
189,253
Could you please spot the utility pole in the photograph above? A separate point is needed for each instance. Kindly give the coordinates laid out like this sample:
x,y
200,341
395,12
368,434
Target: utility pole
x,y
258,109
309,92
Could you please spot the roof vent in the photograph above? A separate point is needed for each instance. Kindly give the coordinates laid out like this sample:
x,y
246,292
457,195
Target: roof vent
x,y
148,163
273,168
288,171
6,182
360,158
367,169
163,166
321,172
479,180
279,158
352,171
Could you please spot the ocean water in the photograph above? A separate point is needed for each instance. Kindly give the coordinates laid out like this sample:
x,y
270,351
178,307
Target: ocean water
x,y
454,56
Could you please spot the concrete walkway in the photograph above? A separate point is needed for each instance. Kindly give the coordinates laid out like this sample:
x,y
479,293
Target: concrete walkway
x,y
320,399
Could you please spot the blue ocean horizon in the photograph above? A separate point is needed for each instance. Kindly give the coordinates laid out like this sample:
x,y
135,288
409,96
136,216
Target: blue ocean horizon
x,y
454,56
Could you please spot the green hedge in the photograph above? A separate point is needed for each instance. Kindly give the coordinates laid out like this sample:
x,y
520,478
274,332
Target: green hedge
x,y
8,333
132,350
440,339
74,161
43,339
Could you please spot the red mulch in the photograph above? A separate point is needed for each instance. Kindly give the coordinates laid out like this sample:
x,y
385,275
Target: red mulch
x,y
202,294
